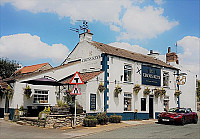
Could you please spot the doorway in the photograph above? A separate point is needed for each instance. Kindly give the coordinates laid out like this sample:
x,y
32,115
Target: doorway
x,y
151,107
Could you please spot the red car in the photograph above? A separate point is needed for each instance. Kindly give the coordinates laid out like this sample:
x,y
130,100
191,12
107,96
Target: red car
x,y
178,116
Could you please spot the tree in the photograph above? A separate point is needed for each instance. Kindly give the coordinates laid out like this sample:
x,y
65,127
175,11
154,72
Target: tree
x,y
198,90
7,67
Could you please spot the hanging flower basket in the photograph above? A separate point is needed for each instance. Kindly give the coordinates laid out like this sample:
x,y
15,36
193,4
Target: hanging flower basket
x,y
163,92
157,92
117,90
9,92
147,91
136,88
27,92
177,93
101,88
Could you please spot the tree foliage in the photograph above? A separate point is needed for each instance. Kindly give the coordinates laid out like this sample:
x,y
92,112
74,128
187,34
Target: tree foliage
x,y
198,89
7,67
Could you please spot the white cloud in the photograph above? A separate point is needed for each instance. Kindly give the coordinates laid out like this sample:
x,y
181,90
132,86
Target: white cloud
x,y
25,47
105,11
114,28
145,23
137,23
127,46
191,56
159,2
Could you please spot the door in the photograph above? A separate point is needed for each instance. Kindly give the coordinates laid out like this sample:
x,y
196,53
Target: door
x,y
7,105
151,107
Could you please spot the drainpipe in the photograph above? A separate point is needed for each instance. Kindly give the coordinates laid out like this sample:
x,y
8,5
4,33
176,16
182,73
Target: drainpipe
x,y
178,98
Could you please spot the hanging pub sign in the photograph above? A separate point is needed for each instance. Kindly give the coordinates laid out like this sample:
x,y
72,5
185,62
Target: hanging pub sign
x,y
151,76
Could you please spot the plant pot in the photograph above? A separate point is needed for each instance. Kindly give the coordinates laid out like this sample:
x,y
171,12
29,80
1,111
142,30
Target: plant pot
x,y
6,116
21,113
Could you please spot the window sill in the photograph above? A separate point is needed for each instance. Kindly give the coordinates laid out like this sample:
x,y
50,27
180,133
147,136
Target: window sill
x,y
128,111
41,103
166,87
126,82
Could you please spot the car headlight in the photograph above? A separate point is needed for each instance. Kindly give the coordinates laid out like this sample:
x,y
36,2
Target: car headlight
x,y
177,116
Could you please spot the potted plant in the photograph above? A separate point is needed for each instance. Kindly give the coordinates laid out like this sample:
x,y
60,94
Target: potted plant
x,y
136,88
157,92
163,92
146,91
27,92
21,110
117,90
9,92
177,93
101,88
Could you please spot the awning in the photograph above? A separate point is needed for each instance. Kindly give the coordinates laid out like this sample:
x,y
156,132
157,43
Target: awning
x,y
43,81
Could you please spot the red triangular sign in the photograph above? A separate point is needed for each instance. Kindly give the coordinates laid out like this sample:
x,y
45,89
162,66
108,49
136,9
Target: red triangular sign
x,y
75,91
76,79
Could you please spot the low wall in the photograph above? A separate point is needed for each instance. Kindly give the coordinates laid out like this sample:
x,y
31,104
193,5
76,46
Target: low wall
x,y
54,121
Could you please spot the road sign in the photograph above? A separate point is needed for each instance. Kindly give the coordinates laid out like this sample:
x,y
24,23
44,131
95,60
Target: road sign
x,y
75,91
76,79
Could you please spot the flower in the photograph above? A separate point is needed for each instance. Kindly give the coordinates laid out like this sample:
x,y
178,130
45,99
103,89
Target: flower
x,y
146,91
117,90
136,88
177,93
157,92
27,91
101,87
163,92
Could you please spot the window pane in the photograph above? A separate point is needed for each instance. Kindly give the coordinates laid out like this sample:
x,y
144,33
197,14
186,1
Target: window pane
x,y
143,104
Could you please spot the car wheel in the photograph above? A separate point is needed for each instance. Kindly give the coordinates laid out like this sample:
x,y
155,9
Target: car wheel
x,y
183,121
159,121
195,119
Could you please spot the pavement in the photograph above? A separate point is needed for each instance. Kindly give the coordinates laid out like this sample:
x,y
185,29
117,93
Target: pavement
x,y
80,131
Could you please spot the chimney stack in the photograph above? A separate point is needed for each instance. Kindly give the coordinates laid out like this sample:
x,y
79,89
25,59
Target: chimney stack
x,y
86,36
153,54
171,57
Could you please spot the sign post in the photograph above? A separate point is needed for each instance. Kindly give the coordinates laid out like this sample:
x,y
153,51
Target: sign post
x,y
76,79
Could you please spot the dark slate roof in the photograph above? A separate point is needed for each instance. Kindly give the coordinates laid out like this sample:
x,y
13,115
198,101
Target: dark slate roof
x,y
129,55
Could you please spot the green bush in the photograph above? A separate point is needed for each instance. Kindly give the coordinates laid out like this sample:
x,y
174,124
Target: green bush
x,y
91,117
89,122
115,118
102,118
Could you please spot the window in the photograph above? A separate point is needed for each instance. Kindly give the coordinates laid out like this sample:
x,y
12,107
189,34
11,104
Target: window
x,y
40,96
92,101
127,101
127,73
143,104
166,79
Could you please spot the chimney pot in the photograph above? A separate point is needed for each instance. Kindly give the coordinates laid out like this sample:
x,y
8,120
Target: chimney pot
x,y
169,49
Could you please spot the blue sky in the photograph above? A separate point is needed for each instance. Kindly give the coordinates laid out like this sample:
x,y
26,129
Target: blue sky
x,y
37,31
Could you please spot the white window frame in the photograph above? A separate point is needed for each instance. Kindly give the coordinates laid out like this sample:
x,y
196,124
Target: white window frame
x,y
128,68
128,96
40,95
165,77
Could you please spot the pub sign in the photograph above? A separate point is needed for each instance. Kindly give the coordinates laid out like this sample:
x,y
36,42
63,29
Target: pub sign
x,y
151,76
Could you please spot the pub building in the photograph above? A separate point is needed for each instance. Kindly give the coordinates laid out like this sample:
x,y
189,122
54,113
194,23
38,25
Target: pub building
x,y
133,85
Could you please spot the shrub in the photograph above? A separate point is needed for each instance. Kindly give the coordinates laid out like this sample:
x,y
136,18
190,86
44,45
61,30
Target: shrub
x,y
115,118
89,122
102,118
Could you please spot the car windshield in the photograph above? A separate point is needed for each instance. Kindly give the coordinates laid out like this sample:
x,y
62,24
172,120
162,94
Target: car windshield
x,y
177,110
172,110
180,110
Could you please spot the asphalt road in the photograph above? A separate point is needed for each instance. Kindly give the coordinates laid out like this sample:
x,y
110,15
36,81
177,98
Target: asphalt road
x,y
152,131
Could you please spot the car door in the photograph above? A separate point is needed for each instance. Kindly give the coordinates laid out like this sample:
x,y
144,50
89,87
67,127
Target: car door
x,y
189,115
